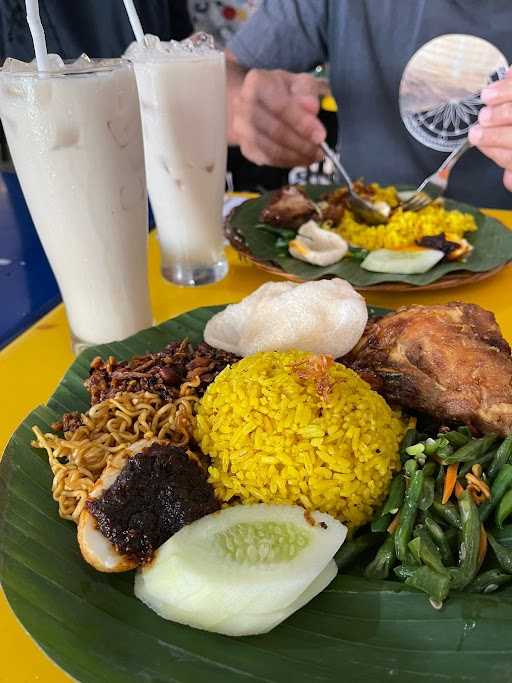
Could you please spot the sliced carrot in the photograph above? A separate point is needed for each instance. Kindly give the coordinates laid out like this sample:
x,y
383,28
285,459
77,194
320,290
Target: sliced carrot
x,y
458,489
450,479
482,548
394,523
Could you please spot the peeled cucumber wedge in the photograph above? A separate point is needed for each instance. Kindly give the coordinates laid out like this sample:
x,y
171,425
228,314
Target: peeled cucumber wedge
x,y
256,624
242,570
402,262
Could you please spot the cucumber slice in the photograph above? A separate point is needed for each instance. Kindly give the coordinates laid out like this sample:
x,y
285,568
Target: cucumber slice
x,y
247,559
249,624
401,262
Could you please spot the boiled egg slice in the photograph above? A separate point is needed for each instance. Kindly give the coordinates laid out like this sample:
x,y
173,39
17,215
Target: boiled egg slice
x,y
97,550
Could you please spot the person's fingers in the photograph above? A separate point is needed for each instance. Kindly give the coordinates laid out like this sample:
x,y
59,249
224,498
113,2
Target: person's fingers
x,y
263,151
305,124
269,87
499,115
498,92
309,103
304,84
259,147
507,180
298,109
501,156
281,133
494,136
302,123
276,120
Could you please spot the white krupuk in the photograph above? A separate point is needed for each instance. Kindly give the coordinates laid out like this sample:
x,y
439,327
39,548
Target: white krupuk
x,y
324,316
318,246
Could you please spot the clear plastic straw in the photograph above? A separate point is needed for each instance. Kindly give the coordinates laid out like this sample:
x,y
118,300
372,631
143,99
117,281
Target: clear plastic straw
x,y
37,32
135,21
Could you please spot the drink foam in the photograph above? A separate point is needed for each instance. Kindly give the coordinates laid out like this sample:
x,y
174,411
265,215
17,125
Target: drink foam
x,y
155,50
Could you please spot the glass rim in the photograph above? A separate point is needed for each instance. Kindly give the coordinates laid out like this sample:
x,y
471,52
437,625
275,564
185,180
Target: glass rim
x,y
204,56
95,66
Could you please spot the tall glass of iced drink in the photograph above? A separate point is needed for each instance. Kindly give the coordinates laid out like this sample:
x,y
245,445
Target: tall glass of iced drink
x,y
182,90
76,141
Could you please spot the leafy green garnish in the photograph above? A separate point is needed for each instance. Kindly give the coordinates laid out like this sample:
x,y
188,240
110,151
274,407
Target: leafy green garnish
x,y
357,253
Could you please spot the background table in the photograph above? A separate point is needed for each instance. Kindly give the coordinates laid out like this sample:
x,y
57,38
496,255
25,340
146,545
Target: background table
x,y
27,287
33,363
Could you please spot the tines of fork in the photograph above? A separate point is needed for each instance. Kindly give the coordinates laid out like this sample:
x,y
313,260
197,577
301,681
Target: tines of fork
x,y
434,186
421,199
366,210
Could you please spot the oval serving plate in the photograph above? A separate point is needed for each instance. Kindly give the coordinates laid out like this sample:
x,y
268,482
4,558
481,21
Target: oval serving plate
x,y
92,626
492,251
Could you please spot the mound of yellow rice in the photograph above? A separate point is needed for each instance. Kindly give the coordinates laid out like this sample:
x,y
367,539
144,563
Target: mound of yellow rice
x,y
404,227
272,438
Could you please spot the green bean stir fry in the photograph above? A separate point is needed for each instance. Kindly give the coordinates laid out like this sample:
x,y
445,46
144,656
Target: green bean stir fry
x,y
443,526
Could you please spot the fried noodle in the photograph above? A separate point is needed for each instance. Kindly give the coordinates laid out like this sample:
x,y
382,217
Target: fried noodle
x,y
78,458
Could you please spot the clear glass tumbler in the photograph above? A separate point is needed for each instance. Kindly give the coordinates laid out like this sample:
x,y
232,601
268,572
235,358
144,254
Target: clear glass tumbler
x,y
75,137
183,106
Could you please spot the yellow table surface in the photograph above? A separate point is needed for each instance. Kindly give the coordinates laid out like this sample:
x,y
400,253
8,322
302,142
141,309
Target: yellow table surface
x,y
32,365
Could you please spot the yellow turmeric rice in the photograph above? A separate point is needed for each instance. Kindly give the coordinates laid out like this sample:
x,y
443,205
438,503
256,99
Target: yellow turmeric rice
x,y
273,438
404,227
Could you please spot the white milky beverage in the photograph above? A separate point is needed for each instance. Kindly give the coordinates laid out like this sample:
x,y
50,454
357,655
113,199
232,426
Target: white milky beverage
x,y
183,104
76,141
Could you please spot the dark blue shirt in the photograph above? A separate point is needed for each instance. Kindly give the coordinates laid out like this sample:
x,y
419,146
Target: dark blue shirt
x,y
100,28
368,44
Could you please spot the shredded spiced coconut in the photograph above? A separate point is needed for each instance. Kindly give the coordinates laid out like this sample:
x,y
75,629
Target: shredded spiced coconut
x,y
160,373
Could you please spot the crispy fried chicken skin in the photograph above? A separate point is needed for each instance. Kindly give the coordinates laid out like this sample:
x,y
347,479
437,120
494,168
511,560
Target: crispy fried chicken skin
x,y
449,361
289,207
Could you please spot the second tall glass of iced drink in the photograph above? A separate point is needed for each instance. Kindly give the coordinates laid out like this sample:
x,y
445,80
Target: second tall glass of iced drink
x,y
182,91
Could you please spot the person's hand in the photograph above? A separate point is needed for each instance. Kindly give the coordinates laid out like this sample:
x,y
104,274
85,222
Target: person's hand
x,y
275,121
493,132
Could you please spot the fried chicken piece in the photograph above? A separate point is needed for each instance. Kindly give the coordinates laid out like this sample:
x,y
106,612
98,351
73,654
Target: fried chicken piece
x,y
449,361
334,204
289,207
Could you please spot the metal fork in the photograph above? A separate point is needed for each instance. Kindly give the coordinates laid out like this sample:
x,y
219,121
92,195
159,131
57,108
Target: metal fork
x,y
370,213
434,186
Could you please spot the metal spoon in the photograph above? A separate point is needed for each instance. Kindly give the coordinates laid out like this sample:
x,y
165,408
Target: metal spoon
x,y
369,213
